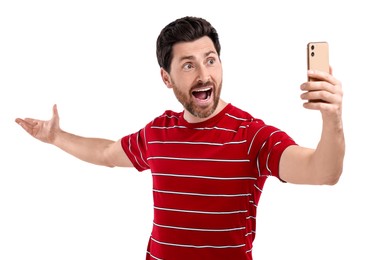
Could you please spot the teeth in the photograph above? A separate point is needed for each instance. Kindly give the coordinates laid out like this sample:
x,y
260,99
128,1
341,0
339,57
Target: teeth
x,y
200,90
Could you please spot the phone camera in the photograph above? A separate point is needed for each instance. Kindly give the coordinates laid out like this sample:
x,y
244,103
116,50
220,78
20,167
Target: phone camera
x,y
312,54
312,47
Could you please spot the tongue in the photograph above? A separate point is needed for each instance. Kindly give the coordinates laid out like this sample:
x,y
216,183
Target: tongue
x,y
200,95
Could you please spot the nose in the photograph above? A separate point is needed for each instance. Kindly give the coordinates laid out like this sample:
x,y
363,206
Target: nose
x,y
203,74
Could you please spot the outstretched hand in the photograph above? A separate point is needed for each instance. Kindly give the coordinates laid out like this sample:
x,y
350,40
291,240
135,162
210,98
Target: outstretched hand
x,y
44,131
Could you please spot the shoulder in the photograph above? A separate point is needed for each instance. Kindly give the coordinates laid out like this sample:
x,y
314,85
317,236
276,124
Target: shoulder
x,y
256,127
168,118
239,114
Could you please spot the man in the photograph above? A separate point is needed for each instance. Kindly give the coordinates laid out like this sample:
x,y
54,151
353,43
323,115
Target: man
x,y
209,162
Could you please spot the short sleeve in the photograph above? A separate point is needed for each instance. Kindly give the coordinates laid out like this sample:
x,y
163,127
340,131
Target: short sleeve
x,y
267,146
135,147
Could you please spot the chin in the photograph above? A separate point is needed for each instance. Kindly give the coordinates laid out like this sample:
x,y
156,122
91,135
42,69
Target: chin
x,y
203,113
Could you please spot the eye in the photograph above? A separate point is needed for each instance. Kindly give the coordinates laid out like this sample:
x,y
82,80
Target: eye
x,y
211,61
188,66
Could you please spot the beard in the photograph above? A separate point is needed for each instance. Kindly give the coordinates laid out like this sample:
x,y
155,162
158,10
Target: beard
x,y
187,100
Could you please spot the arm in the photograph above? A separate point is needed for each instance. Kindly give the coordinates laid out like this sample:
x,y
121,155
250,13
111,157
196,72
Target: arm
x,y
93,150
324,164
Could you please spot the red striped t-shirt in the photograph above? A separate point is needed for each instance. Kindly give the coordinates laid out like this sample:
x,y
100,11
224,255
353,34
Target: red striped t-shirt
x,y
207,181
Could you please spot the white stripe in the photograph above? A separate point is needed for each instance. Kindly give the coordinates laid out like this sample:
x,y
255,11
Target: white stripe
x,y
238,142
130,150
258,188
200,143
203,212
237,118
267,161
201,229
168,127
194,246
197,128
202,194
139,149
204,177
257,159
252,141
153,256
196,159
216,128
167,116
178,142
144,130
244,126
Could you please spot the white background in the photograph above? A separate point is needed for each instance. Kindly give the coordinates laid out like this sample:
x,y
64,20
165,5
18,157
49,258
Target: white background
x,y
96,60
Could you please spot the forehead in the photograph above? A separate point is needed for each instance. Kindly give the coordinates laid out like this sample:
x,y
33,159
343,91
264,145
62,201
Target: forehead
x,y
195,48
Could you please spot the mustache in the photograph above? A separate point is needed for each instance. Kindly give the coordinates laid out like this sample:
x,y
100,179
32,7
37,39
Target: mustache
x,y
203,84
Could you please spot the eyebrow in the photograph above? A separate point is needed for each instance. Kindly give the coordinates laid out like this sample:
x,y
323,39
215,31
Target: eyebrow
x,y
191,57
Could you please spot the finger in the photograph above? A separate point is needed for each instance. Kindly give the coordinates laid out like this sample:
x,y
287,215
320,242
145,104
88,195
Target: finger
x,y
316,105
31,121
26,125
321,96
322,76
18,121
318,85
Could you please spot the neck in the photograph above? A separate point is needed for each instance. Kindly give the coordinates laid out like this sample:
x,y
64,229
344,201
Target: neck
x,y
194,119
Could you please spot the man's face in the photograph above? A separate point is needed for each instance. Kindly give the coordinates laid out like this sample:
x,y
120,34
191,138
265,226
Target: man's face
x,y
196,76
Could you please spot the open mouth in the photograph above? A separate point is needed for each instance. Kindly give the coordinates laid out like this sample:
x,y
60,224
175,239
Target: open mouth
x,y
202,94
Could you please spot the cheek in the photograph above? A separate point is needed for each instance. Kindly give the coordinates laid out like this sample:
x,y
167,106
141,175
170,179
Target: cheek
x,y
183,81
219,74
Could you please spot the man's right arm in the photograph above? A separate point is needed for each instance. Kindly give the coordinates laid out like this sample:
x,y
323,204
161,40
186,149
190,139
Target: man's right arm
x,y
93,150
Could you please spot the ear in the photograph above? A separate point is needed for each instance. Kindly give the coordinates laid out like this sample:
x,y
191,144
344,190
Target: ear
x,y
166,78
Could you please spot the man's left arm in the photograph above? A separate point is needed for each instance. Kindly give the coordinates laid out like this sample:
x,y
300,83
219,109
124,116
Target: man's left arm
x,y
324,164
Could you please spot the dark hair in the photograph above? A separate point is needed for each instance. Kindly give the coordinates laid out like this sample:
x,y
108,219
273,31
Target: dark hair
x,y
184,29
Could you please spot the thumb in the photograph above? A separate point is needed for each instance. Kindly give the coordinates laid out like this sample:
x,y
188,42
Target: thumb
x,y
55,111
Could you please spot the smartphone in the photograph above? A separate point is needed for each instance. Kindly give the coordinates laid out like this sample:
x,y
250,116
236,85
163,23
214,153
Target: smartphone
x,y
318,56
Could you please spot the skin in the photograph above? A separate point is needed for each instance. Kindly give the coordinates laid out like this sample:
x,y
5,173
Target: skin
x,y
324,164
196,66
